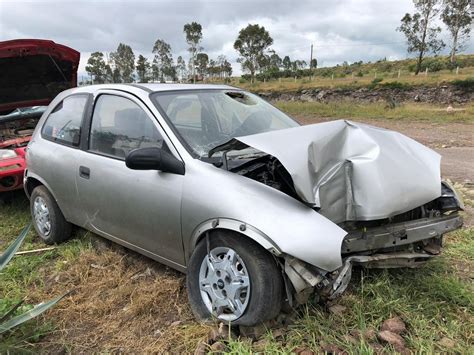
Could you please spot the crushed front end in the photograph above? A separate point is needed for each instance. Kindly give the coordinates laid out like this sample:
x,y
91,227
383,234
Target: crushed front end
x,y
406,240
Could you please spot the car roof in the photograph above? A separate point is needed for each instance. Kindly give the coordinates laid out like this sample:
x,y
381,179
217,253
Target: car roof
x,y
149,88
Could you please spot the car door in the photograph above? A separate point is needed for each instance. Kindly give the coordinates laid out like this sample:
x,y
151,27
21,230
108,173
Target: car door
x,y
140,209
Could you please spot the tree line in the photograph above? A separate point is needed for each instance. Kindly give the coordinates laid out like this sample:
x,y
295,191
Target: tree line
x,y
259,61
120,66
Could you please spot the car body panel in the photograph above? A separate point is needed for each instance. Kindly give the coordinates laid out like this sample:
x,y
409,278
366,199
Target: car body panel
x,y
34,71
352,171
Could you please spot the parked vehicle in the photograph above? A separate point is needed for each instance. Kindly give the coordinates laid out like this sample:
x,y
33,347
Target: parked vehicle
x,y
32,73
215,182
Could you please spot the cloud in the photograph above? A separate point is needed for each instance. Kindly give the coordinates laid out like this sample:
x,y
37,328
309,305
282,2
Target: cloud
x,y
348,30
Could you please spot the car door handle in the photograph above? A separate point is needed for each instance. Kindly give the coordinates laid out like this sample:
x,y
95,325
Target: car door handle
x,y
84,172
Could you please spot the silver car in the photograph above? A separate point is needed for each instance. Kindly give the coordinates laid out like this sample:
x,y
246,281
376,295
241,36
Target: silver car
x,y
215,182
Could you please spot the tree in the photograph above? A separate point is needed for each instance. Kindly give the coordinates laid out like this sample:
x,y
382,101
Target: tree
x,y
286,63
143,69
124,62
420,35
314,63
163,61
96,68
202,60
252,44
181,67
193,32
456,16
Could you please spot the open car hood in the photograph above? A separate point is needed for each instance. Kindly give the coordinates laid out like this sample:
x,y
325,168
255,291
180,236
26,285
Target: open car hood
x,y
352,171
33,72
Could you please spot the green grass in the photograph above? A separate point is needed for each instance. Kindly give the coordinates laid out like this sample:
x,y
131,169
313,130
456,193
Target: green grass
x,y
435,301
350,109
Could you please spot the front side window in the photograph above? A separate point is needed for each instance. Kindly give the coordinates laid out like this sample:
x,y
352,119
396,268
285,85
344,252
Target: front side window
x,y
207,118
64,122
119,126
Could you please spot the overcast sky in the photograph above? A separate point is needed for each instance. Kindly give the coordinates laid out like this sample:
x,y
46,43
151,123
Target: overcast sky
x,y
340,30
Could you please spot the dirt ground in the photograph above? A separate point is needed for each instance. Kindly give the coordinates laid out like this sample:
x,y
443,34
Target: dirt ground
x,y
454,141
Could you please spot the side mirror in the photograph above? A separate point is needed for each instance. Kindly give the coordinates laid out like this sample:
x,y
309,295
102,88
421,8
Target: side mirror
x,y
154,159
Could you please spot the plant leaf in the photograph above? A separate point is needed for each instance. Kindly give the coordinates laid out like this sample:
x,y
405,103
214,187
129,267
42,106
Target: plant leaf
x,y
13,309
32,313
11,250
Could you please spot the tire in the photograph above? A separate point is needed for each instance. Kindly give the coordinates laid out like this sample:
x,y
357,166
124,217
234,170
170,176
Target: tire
x,y
49,222
261,300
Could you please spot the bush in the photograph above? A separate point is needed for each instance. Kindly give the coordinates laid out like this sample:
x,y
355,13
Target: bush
x,y
395,85
466,85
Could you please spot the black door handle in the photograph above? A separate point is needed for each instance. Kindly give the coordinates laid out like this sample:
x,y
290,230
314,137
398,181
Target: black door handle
x,y
84,172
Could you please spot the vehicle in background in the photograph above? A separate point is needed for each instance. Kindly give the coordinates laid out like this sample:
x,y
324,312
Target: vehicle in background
x,y
32,73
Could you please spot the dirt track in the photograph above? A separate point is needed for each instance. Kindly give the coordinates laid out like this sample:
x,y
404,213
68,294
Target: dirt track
x,y
454,141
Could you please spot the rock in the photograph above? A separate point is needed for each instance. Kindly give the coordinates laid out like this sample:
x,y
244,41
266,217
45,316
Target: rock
x,y
394,325
221,332
393,339
278,333
337,309
218,347
446,343
254,332
201,349
175,323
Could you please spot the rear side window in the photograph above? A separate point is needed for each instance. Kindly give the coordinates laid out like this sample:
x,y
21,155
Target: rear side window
x,y
119,126
64,122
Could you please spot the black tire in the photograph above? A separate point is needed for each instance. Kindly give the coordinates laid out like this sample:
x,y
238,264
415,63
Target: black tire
x,y
60,229
266,293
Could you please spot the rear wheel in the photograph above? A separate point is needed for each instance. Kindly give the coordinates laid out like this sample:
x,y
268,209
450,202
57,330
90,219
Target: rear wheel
x,y
48,220
236,281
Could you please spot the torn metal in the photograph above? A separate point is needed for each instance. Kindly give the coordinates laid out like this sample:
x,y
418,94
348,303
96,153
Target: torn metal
x,y
351,171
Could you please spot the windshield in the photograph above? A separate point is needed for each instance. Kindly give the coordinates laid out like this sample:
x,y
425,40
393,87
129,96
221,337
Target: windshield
x,y
207,118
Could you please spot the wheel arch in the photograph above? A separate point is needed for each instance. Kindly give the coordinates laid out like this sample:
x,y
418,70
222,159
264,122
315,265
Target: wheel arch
x,y
242,228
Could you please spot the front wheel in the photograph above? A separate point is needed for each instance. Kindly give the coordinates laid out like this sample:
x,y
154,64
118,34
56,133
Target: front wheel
x,y
236,281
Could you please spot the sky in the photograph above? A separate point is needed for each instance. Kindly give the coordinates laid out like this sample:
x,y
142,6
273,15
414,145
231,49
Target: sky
x,y
340,30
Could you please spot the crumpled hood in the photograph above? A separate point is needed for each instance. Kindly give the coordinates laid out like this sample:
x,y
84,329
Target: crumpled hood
x,y
354,171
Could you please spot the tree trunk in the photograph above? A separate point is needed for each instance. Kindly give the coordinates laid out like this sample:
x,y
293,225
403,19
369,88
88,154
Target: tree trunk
x,y
453,49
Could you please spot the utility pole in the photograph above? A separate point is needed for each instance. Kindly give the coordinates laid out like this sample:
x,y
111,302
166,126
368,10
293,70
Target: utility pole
x,y
311,63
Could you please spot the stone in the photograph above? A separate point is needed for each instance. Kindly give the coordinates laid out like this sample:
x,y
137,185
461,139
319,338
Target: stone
x,y
337,309
393,339
303,351
218,347
446,343
394,325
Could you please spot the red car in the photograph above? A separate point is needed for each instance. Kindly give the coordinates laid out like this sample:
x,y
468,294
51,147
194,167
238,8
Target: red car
x,y
32,73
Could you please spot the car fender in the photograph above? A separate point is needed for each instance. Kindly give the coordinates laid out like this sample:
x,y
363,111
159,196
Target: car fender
x,y
273,219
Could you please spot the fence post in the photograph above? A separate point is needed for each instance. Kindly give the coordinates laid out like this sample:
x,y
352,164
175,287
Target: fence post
x,y
426,72
457,70
295,78
279,79
398,73
375,74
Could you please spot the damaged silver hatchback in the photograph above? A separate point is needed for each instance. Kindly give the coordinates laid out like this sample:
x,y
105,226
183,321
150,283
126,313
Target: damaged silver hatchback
x,y
215,182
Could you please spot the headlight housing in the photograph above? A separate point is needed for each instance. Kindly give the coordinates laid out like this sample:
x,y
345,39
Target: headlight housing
x,y
7,154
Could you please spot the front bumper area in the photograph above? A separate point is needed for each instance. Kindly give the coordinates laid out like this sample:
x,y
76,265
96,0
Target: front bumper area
x,y
408,244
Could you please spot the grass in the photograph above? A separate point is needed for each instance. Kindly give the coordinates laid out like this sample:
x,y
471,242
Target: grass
x,y
122,302
386,79
353,110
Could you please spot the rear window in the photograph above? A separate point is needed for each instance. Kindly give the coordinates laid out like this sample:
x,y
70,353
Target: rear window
x,y
64,122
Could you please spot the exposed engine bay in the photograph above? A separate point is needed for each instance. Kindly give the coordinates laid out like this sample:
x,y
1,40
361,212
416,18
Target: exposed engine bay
x,y
16,134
